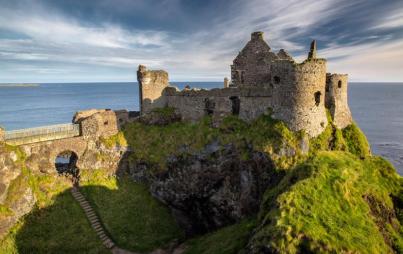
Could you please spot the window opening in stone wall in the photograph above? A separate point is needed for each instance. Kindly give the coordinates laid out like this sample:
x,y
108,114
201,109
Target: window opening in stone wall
x,y
339,84
242,77
276,80
209,106
317,98
236,104
106,123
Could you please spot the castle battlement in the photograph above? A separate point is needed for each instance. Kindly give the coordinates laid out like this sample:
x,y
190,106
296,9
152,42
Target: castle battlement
x,y
297,93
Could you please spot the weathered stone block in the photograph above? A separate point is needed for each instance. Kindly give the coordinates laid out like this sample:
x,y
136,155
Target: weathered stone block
x,y
151,87
97,123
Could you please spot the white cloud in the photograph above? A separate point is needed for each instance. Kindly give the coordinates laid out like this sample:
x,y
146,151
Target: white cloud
x,y
53,42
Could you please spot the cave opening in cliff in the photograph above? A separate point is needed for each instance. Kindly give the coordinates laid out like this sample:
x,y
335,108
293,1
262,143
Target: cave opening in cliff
x,y
65,164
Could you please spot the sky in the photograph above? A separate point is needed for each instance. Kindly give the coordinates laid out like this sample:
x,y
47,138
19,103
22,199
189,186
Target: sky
x,y
194,40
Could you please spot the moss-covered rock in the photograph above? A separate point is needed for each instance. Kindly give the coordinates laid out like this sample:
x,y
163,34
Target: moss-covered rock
x,y
333,203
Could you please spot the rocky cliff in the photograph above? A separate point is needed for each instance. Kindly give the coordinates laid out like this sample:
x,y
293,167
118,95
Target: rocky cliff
x,y
247,187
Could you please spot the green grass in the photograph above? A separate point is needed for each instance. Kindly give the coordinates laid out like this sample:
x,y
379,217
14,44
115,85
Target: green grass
x,y
319,206
356,141
59,228
135,220
228,240
153,144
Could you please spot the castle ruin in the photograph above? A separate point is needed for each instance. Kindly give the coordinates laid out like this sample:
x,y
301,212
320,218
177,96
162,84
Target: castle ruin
x,y
297,93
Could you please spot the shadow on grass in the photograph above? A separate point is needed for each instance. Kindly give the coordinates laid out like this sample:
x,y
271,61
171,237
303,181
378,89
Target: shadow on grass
x,y
132,217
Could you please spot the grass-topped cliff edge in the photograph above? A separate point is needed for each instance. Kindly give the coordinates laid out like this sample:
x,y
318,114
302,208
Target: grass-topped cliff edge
x,y
332,196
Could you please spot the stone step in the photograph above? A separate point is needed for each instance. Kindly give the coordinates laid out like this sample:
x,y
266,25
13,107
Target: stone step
x,y
93,219
96,225
103,237
89,212
100,233
100,229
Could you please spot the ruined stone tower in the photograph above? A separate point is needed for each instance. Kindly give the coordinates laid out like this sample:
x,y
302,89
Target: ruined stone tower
x,y
252,65
336,99
297,93
151,85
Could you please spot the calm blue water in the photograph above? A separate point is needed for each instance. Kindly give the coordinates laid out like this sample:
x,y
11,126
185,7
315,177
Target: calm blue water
x,y
376,107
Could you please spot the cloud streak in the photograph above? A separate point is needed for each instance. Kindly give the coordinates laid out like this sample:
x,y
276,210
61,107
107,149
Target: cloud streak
x,y
44,43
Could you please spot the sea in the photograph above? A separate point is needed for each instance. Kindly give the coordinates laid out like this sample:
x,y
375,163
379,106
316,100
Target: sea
x,y
376,107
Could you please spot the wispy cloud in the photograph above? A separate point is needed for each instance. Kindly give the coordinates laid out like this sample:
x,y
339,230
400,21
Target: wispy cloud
x,y
49,44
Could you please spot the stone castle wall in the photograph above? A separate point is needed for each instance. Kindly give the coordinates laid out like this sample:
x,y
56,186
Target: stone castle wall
x,y
336,99
97,123
252,65
192,104
261,79
151,84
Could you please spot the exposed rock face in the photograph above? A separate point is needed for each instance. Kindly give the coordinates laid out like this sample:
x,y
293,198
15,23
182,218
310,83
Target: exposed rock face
x,y
16,196
213,188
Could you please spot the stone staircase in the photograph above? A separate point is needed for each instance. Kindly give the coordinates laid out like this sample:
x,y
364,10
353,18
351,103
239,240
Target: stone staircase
x,y
93,218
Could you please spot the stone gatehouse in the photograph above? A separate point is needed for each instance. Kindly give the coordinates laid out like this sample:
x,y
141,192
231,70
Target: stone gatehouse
x,y
297,93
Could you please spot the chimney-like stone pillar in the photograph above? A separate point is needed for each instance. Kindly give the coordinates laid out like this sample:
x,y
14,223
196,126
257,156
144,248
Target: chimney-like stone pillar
x,y
312,51
257,35
226,82
151,86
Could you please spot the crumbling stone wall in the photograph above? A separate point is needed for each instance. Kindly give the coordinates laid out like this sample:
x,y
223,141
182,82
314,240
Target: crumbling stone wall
x,y
336,99
151,84
299,95
260,79
252,65
193,104
97,123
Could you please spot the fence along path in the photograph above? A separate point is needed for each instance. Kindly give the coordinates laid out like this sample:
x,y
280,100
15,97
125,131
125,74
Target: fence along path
x,y
40,134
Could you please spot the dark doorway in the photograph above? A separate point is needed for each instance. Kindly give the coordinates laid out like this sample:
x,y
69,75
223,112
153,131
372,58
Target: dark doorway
x,y
236,104
209,106
65,164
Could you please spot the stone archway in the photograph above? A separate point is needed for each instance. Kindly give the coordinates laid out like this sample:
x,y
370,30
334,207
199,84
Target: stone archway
x,y
66,165
66,162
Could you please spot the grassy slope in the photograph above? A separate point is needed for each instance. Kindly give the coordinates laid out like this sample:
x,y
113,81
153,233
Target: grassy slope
x,y
135,220
153,144
227,240
318,205
58,225
59,228
325,210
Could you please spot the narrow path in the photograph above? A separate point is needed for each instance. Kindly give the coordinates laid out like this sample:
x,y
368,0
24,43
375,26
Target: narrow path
x,y
96,222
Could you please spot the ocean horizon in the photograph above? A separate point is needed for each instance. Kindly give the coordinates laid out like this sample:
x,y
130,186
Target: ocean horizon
x,y
376,107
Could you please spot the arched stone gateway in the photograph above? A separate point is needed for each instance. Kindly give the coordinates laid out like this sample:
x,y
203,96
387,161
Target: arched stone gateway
x,y
66,163
42,156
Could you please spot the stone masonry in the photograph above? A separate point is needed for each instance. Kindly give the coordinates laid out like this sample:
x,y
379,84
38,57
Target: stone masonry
x,y
297,93
151,84
336,99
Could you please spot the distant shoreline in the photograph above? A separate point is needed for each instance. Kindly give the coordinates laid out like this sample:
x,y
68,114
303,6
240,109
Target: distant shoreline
x,y
19,85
